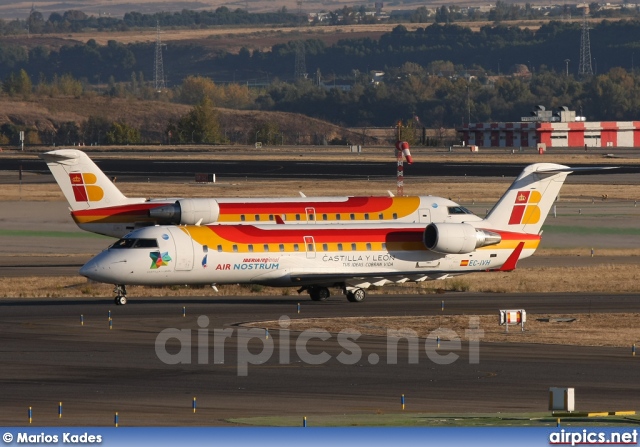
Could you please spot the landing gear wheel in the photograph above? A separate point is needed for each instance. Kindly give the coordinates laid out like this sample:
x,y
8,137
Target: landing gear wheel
x,y
319,293
356,296
121,294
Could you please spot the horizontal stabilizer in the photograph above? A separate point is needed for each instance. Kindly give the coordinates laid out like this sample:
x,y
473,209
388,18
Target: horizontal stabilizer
x,y
580,169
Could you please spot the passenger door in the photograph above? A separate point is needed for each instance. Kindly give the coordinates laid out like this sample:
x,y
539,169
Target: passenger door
x,y
184,249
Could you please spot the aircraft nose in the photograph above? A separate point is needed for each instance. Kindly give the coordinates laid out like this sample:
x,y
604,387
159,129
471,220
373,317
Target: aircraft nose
x,y
90,269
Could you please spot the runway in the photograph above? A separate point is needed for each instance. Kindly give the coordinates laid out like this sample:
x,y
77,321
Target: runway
x,y
48,357
134,168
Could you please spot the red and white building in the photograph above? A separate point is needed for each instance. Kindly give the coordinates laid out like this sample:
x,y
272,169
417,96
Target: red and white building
x,y
554,129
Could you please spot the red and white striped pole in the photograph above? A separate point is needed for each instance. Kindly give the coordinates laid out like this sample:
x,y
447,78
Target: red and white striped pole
x,y
400,170
402,151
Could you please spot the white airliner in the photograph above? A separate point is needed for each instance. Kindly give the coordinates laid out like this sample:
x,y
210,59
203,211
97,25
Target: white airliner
x,y
98,206
351,257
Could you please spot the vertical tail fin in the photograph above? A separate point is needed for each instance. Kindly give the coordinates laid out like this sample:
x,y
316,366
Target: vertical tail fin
x,y
527,202
83,184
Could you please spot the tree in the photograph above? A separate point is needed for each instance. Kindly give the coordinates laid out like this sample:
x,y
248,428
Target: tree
x,y
268,133
194,88
122,133
19,84
200,125
95,129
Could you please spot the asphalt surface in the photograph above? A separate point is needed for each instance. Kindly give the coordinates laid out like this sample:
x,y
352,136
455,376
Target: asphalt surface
x,y
48,357
135,169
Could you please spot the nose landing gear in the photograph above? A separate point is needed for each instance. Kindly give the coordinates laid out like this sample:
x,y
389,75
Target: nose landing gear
x,y
121,294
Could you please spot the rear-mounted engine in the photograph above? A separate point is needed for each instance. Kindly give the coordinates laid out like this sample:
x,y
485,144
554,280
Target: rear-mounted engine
x,y
457,238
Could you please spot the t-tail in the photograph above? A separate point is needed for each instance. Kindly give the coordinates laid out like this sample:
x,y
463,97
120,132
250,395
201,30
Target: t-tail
x,y
527,202
83,184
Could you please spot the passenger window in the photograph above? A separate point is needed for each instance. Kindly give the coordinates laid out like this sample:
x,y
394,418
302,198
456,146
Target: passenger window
x,y
338,216
325,247
353,247
381,216
352,216
281,247
384,246
297,216
324,217
339,247
219,247
265,247
205,249
271,217
366,216
250,247
242,217
296,247
310,247
257,217
235,248
368,246
312,217
395,216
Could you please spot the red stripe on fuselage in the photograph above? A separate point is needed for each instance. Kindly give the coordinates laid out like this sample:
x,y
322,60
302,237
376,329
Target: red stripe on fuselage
x,y
141,209
248,234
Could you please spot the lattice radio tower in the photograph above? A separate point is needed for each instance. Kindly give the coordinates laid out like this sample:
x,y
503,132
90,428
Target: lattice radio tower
x,y
300,71
584,69
158,73
301,67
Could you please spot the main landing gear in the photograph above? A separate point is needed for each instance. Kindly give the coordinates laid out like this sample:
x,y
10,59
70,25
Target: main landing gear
x,y
121,294
321,293
317,293
356,295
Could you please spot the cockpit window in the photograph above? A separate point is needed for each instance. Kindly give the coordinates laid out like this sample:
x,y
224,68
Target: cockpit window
x,y
458,210
136,243
146,243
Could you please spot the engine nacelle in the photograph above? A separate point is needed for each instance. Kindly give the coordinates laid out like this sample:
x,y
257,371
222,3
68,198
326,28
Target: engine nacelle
x,y
457,238
187,212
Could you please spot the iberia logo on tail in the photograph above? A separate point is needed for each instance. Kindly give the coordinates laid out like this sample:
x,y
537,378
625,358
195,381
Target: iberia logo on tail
x,y
84,187
526,211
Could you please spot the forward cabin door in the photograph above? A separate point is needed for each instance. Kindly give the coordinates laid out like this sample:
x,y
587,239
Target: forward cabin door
x,y
184,249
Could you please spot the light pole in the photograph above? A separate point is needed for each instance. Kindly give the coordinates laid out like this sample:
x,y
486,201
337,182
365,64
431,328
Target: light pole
x,y
566,61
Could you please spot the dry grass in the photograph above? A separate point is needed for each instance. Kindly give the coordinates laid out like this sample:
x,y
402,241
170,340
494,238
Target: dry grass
x,y
233,37
586,330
